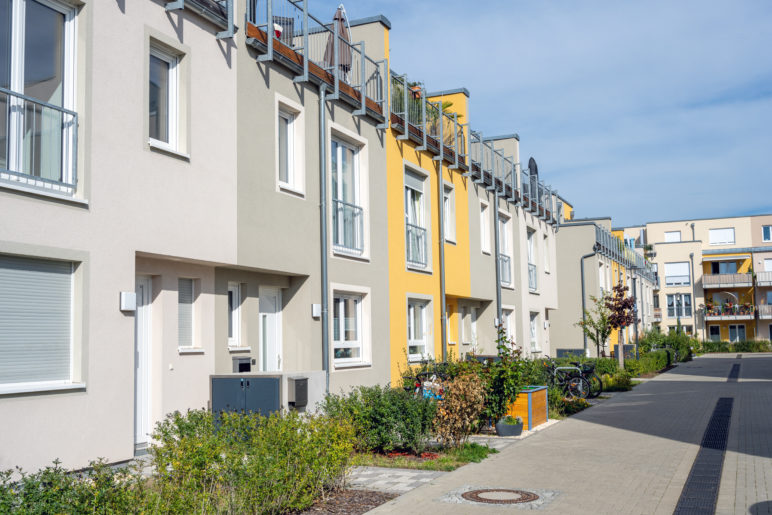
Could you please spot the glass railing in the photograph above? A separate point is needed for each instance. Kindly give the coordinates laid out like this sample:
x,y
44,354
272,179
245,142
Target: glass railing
x,y
347,226
416,245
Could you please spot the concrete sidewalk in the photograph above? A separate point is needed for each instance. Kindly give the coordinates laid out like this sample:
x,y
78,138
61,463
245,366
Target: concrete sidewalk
x,y
632,453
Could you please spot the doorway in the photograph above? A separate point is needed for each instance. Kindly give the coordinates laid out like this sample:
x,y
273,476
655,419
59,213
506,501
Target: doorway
x,y
142,349
270,329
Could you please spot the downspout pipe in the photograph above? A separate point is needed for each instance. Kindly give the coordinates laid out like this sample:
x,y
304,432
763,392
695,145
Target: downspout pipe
x,y
496,262
323,236
441,218
584,301
694,294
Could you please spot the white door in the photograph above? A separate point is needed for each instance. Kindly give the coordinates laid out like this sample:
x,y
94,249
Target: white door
x,y
142,426
270,329
768,265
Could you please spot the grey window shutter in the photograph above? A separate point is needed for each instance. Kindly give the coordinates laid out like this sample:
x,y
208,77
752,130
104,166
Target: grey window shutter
x,y
35,320
185,312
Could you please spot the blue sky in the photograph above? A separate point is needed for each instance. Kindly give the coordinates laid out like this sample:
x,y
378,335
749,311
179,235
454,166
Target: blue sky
x,y
642,111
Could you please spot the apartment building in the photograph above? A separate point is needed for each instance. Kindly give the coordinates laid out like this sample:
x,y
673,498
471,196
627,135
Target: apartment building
x,y
714,274
592,259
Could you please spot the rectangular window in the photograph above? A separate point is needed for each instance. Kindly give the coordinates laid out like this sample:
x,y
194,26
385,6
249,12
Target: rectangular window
x,y
185,312
505,250
723,267
234,315
347,328
473,325
769,297
723,236
449,212
714,332
768,265
416,330
466,326
737,333
546,248
36,321
677,274
38,129
347,211
766,232
485,228
508,321
533,283
534,331
286,136
679,305
163,99
415,221
672,236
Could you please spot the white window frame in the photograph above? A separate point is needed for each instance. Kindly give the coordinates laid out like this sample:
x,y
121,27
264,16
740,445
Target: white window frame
x,y
672,236
424,306
338,302
422,213
449,211
364,320
737,332
688,274
345,137
466,331
534,330
679,312
505,245
173,61
508,321
722,242
234,316
485,227
15,120
768,230
546,248
530,236
192,314
294,113
289,118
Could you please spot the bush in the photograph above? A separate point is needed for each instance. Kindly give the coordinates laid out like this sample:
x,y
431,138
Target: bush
x,y
619,382
245,463
384,419
459,409
741,346
559,406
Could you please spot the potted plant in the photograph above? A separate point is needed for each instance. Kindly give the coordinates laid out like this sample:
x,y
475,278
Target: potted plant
x,y
509,426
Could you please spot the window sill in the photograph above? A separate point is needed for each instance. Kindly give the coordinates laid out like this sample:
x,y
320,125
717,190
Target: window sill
x,y
450,241
40,387
190,350
486,252
533,292
160,146
419,269
451,343
508,287
43,193
344,366
292,190
234,348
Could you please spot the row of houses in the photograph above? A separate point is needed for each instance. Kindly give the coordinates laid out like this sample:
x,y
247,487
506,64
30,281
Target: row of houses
x,y
186,196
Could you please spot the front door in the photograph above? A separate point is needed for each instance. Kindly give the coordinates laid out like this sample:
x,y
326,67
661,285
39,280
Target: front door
x,y
142,426
270,329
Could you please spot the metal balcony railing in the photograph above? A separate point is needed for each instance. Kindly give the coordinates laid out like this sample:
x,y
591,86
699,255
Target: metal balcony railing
x,y
533,283
677,280
765,311
763,278
726,280
615,249
505,269
347,226
39,147
416,245
730,310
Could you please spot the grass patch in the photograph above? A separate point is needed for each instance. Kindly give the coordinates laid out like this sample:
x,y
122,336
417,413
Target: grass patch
x,y
443,459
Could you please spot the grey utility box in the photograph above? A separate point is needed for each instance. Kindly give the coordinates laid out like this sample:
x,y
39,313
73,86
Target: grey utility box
x,y
259,394
297,391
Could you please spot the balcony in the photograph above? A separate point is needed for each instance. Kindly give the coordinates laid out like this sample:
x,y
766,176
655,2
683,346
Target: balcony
x,y
730,312
764,279
318,53
347,226
533,283
505,270
416,245
727,280
765,311
38,144
657,315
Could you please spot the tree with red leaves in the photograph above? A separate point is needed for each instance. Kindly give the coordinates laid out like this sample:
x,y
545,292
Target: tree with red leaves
x,y
622,310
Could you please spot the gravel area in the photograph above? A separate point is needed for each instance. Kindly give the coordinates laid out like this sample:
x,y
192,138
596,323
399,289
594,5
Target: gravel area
x,y
349,502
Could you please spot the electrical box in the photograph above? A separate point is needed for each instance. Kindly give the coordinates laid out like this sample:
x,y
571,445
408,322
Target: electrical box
x,y
316,310
297,391
128,301
258,394
242,365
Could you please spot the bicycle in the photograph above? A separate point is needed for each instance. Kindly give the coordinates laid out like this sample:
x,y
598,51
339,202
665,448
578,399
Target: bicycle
x,y
588,372
568,379
428,383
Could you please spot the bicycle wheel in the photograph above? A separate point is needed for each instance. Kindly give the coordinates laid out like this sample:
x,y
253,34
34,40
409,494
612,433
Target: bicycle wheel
x,y
596,385
577,387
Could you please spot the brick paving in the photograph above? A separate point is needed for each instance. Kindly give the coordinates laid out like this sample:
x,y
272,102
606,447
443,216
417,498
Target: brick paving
x,y
633,452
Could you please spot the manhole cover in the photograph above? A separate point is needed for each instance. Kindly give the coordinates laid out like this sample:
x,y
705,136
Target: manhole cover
x,y
499,496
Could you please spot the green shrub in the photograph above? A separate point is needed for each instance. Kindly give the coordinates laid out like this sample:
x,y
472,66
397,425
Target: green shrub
x,y
384,419
652,339
619,382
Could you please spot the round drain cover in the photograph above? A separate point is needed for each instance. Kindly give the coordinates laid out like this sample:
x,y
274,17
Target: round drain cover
x,y
500,496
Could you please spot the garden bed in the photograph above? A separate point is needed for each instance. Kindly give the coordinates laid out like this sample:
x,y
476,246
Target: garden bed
x,y
349,502
440,459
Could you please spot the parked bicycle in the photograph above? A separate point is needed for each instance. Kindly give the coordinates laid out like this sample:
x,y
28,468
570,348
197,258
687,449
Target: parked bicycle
x,y
568,379
428,383
588,372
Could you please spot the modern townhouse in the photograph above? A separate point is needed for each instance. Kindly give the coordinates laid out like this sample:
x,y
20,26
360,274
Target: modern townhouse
x,y
714,275
591,261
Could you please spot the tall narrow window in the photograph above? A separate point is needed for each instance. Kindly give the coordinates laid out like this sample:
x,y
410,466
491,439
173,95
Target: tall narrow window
x,y
415,221
347,328
163,98
473,325
508,321
234,315
485,228
449,212
505,250
286,135
546,248
534,321
766,232
185,312
466,326
416,330
347,212
533,284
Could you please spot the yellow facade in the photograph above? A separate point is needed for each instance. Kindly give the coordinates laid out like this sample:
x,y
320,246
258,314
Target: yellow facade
x,y
745,295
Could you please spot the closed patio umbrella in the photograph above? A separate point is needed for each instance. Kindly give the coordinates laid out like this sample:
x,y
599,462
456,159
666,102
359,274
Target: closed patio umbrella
x,y
340,27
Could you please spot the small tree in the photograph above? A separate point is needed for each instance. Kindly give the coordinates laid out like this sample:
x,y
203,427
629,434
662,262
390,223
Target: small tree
x,y
622,310
596,325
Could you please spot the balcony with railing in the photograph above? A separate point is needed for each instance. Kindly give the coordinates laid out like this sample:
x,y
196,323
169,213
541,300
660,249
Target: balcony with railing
x,y
730,311
416,245
347,227
763,279
38,144
533,278
284,31
727,280
505,270
615,249
765,311
657,315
